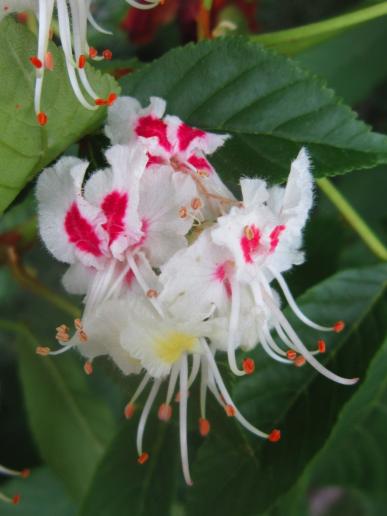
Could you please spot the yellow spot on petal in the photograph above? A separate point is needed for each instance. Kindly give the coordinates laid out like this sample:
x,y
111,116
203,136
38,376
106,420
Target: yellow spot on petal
x,y
171,347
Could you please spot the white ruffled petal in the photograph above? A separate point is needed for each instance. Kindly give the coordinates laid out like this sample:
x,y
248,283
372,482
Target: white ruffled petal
x,y
77,278
122,117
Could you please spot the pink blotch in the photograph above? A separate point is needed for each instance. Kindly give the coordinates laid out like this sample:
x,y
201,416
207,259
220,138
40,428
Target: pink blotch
x,y
80,232
250,246
149,126
129,277
200,163
114,208
154,160
274,237
186,134
220,275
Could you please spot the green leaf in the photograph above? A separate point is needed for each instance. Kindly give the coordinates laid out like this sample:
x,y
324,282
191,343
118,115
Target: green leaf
x,y
304,404
56,390
269,105
122,486
292,41
40,494
25,147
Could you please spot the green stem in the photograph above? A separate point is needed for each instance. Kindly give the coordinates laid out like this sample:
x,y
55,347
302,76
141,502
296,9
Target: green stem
x,y
294,40
353,218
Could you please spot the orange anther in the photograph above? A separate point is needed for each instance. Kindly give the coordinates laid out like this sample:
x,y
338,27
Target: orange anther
x,y
299,361
42,118
100,102
88,368
82,335
143,458
25,473
203,173
107,54
151,293
112,97
49,61
78,324
42,351
36,62
204,427
338,326
81,61
321,346
248,365
129,410
196,203
249,233
274,436
230,410
92,52
165,412
291,354
183,212
16,499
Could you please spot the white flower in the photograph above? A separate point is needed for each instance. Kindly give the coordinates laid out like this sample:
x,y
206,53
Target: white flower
x,y
12,473
72,18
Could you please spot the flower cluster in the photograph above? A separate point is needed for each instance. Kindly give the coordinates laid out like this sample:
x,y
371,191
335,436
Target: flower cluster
x,y
173,267
72,17
12,473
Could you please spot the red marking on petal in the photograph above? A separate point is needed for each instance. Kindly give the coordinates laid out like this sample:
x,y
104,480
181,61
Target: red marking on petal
x,y
154,160
338,326
165,412
36,62
200,163
16,499
25,473
274,436
80,232
186,135
204,427
248,365
149,126
81,61
92,52
129,410
49,61
129,277
143,458
230,410
321,346
42,118
274,237
107,54
220,272
114,207
250,242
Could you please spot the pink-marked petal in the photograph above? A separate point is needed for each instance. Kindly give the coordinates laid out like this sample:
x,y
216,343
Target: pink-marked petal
x,y
80,232
186,135
150,126
114,207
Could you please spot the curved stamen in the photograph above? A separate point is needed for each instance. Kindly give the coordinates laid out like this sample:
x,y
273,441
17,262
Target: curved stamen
x,y
183,419
270,351
141,281
94,23
233,328
129,408
172,383
195,369
203,386
145,414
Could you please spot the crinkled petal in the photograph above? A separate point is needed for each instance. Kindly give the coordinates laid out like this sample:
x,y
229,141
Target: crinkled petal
x,y
77,278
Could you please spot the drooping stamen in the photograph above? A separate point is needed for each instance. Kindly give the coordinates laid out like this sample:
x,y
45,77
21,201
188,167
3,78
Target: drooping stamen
x,y
24,473
270,351
183,419
194,370
165,412
43,351
142,283
49,61
42,118
248,365
88,367
144,415
107,54
92,52
321,345
82,61
36,62
172,382
274,436
230,410
143,458
14,500
130,407
204,427
233,328
291,354
338,326
299,361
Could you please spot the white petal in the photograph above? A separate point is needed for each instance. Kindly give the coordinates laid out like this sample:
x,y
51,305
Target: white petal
x,y
254,192
77,278
122,117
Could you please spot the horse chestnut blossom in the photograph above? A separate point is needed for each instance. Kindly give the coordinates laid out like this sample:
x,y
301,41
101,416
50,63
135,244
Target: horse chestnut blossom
x,y
12,473
72,17
174,269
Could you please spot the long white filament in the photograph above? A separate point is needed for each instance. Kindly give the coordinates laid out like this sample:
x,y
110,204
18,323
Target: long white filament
x,y
270,351
9,472
233,328
172,382
145,414
203,386
143,285
195,369
183,419
46,8
93,22
140,388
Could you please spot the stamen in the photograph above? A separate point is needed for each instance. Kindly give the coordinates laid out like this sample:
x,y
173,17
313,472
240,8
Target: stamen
x,y
165,412
248,232
230,410
299,361
204,427
143,458
82,336
42,118
321,346
16,499
248,365
129,410
78,324
338,326
92,52
36,62
130,407
291,354
88,368
183,212
233,327
49,61
183,419
82,61
152,293
42,351
144,416
196,203
107,54
274,436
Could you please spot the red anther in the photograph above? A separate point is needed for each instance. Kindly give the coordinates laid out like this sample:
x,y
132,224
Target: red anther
x,y
16,499
88,368
230,410
35,61
92,52
42,351
129,410
299,361
321,346
165,412
81,61
291,354
111,98
49,61
100,102
21,17
107,54
25,473
204,427
338,326
41,118
275,435
143,458
248,365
